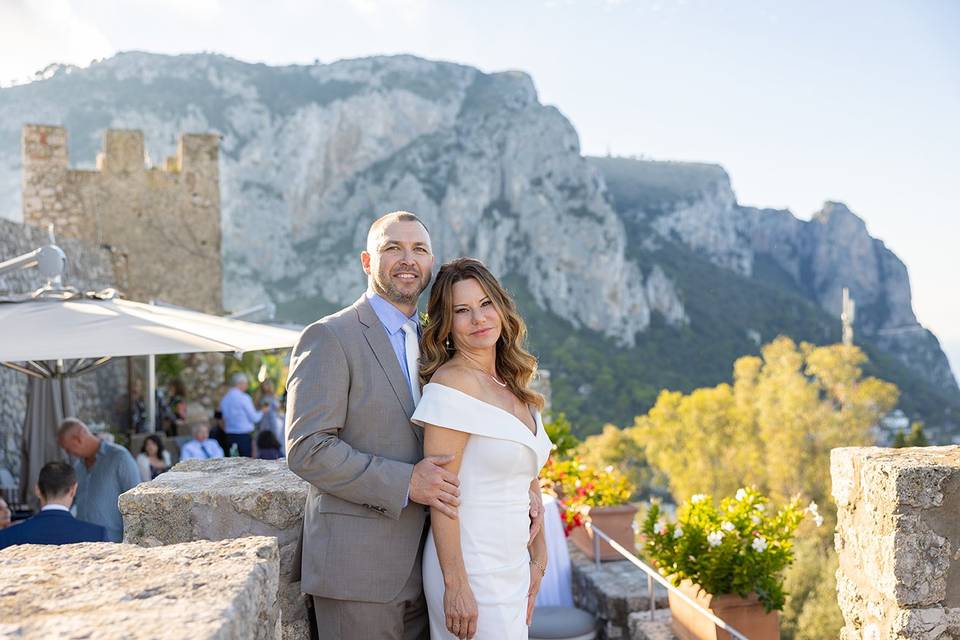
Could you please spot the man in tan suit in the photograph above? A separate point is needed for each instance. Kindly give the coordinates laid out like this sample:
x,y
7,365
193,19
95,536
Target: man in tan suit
x,y
351,391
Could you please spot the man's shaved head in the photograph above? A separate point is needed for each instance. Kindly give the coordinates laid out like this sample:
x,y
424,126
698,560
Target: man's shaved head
x,y
376,228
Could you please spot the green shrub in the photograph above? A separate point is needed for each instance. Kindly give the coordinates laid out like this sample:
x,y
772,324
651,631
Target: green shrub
x,y
739,548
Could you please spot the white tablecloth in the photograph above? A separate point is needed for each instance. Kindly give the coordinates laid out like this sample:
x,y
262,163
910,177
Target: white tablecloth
x,y
555,590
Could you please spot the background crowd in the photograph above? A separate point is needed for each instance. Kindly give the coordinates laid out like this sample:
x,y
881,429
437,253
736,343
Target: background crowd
x,y
79,499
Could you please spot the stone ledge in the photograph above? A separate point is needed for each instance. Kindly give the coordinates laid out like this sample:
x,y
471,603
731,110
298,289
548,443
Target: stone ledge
x,y
200,590
220,499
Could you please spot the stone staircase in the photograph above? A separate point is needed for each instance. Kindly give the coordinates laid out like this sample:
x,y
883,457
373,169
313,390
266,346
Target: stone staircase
x,y
617,594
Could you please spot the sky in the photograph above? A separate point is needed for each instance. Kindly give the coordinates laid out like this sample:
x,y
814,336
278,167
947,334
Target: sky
x,y
800,101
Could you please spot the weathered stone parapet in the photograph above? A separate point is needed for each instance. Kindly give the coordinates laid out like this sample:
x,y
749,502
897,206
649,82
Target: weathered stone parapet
x,y
612,592
898,532
199,590
226,498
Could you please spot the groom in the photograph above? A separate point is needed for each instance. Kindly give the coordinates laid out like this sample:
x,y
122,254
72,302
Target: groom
x,y
352,388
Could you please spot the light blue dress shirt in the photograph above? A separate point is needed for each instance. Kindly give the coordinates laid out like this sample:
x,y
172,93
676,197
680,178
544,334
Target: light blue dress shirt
x,y
113,472
195,449
393,321
239,414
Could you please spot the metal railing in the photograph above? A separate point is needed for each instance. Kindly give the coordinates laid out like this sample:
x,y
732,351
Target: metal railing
x,y
654,575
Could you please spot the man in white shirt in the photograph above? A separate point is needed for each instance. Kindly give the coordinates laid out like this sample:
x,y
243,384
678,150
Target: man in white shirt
x,y
201,447
240,417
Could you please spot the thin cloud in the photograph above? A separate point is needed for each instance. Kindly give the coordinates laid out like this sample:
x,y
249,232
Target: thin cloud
x,y
36,33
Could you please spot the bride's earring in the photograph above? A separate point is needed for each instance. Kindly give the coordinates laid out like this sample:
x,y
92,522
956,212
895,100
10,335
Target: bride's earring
x,y
449,344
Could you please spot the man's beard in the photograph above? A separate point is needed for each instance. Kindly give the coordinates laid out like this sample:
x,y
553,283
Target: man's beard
x,y
384,287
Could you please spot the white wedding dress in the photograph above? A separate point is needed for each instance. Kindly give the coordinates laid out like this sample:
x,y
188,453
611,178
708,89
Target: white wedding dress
x,y
500,459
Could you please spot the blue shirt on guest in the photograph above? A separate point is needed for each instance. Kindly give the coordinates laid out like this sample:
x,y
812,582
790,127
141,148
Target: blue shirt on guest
x,y
114,471
239,414
393,321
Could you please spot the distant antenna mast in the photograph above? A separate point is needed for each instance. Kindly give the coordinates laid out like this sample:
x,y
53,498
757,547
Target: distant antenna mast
x,y
847,315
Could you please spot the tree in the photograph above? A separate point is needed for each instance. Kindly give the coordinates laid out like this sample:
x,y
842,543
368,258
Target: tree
x,y
620,448
560,433
916,437
773,428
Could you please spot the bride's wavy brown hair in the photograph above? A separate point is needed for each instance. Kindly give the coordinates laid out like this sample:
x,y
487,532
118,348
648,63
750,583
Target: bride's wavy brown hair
x,y
515,365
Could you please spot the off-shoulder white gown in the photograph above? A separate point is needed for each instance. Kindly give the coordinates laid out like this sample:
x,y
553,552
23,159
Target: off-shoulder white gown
x,y
500,459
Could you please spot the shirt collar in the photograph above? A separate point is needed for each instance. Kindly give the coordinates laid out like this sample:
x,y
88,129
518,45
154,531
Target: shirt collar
x,y
54,507
391,317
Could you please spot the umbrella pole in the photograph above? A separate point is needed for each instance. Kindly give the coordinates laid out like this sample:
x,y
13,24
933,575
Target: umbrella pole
x,y
151,398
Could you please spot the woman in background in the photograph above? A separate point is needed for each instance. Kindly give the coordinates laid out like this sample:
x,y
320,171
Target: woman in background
x,y
153,459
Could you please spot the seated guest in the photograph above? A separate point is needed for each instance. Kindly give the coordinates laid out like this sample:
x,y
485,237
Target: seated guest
x,y
56,489
202,446
153,459
268,447
104,471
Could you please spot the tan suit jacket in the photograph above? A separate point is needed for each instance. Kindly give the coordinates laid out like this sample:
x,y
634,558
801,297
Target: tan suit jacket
x,y
349,435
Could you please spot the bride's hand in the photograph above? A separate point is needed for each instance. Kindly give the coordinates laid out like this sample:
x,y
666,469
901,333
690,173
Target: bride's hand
x,y
535,578
460,610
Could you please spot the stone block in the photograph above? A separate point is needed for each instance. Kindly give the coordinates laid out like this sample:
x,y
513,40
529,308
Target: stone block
x,y
641,627
897,533
198,590
226,498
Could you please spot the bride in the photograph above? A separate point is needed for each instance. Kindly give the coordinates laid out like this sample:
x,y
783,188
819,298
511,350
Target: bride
x,y
481,572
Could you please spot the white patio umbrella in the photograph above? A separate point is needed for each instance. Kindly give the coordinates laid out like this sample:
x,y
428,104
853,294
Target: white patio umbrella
x,y
104,326
62,334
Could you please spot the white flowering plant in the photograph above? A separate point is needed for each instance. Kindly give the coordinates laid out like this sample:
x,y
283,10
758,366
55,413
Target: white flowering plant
x,y
740,547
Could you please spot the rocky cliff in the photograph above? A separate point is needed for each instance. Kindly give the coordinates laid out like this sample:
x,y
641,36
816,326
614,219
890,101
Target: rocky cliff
x,y
694,205
626,252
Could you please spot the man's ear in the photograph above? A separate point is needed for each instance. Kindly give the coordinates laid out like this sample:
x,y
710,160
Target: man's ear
x,y
365,261
36,491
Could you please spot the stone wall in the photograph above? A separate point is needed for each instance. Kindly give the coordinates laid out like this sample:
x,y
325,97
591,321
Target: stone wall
x,y
898,537
100,396
162,223
200,590
226,498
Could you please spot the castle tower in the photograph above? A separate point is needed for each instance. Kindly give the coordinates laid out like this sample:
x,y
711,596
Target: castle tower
x,y
162,224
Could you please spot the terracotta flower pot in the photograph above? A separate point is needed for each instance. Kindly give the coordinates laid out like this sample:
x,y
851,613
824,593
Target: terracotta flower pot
x,y
616,522
746,615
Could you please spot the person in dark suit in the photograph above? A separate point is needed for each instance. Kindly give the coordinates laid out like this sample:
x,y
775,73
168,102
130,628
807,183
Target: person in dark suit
x,y
56,489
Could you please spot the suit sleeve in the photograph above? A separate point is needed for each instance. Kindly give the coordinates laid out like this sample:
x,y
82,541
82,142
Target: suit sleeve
x,y
317,391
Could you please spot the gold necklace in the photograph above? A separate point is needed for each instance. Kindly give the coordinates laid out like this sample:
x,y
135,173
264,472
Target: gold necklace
x,y
489,375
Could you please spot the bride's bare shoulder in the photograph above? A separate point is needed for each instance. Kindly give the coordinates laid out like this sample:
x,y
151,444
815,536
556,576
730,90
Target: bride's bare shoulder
x,y
459,377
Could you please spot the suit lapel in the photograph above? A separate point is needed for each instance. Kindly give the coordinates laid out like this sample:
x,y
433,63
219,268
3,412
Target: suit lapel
x,y
383,351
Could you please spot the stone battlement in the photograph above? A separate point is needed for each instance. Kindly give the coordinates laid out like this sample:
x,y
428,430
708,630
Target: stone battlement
x,y
897,537
162,223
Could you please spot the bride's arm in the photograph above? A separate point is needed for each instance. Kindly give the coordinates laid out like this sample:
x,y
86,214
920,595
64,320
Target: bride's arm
x,y
459,604
538,567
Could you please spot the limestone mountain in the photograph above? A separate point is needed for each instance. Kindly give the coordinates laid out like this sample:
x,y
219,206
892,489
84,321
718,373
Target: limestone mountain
x,y
635,275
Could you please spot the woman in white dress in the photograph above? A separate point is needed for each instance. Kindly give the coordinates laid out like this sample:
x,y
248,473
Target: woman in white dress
x,y
481,572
